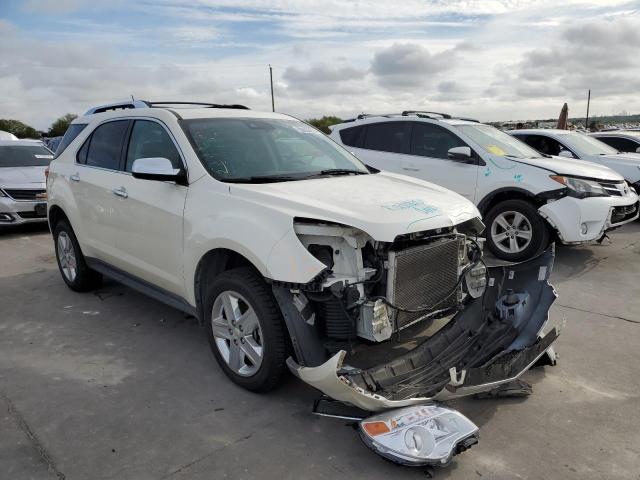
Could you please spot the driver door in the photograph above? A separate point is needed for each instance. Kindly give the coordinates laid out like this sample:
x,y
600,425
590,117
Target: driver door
x,y
150,212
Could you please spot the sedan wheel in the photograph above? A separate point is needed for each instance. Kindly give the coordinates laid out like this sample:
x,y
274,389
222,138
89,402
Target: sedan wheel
x,y
67,257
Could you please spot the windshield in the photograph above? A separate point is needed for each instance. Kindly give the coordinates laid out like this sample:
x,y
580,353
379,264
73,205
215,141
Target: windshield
x,y
24,156
585,145
497,142
247,149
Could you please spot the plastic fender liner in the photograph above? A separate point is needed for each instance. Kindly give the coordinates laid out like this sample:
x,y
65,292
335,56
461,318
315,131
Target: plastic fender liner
x,y
476,351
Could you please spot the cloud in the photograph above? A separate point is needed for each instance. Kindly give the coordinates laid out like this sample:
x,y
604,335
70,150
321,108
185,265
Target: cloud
x,y
410,65
323,79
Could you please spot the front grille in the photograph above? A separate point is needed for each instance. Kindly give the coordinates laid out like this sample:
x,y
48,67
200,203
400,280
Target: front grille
x,y
621,214
32,214
25,194
423,276
614,189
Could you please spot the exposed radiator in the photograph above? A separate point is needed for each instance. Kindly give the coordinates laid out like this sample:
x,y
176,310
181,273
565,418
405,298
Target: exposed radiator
x,y
424,275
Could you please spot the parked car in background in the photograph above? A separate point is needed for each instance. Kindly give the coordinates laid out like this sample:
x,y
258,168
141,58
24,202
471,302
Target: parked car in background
x,y
22,181
568,144
621,140
525,198
7,136
292,252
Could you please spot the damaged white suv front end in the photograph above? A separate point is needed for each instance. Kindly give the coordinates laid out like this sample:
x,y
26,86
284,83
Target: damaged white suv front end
x,y
392,324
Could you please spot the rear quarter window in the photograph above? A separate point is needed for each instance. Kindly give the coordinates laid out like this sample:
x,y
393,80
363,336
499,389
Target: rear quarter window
x,y
352,136
69,136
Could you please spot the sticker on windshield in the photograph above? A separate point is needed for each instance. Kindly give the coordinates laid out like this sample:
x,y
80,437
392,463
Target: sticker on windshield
x,y
43,156
496,150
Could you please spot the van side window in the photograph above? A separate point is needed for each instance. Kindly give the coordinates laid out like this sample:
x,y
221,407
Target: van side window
x,y
105,145
387,137
429,140
352,136
148,140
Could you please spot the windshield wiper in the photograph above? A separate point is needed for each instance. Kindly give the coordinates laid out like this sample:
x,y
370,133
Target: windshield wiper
x,y
337,171
262,179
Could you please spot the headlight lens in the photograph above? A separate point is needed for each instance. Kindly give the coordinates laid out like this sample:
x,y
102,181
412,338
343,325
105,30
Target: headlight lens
x,y
581,188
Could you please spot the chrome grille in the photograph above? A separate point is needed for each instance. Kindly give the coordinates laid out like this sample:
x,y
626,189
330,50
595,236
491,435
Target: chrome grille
x,y
423,276
24,193
614,189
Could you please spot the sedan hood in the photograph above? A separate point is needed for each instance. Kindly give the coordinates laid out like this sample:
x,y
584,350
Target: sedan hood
x,y
384,205
18,177
575,168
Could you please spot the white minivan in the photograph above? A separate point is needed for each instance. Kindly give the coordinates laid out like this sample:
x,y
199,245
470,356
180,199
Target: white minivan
x,y
526,198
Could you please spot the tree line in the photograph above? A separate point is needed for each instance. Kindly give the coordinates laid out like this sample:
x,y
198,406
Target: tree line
x,y
22,130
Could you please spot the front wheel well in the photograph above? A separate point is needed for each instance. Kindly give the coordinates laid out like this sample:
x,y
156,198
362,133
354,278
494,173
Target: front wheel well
x,y
491,200
56,214
212,264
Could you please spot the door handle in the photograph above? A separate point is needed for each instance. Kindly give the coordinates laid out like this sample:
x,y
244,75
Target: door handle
x,y
75,177
411,169
120,192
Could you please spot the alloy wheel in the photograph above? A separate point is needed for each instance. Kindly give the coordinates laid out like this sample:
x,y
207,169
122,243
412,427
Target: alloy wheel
x,y
67,257
511,232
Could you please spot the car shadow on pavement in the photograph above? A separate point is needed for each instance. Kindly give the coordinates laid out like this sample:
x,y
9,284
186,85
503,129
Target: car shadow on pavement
x,y
9,231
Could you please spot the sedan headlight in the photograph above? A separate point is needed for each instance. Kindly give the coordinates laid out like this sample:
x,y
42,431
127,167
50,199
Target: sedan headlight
x,y
581,188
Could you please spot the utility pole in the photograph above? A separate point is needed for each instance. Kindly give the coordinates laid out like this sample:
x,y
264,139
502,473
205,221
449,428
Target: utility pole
x,y
273,105
586,120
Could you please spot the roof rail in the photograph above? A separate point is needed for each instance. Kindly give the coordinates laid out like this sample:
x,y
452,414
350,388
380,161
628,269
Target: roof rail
x,y
200,104
144,104
425,112
468,119
117,106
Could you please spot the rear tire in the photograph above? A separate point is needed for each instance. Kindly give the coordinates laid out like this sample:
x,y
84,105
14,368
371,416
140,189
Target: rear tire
x,y
246,330
73,267
515,231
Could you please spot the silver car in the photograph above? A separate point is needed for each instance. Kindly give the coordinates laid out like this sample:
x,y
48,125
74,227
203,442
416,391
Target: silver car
x,y
23,195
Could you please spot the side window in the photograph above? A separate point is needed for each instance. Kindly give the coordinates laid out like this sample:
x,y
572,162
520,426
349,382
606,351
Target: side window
x,y
352,136
105,145
619,143
69,136
387,137
429,140
542,144
150,139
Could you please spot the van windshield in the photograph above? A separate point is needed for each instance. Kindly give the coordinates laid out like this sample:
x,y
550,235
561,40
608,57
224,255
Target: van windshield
x,y
252,150
497,142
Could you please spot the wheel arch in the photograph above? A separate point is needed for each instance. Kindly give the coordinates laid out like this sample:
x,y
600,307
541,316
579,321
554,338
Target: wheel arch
x,y
507,193
211,264
55,215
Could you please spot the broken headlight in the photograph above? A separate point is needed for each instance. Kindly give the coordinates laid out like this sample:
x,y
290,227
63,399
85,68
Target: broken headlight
x,y
419,435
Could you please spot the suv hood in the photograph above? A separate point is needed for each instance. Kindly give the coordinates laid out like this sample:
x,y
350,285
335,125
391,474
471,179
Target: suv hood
x,y
573,167
384,205
21,176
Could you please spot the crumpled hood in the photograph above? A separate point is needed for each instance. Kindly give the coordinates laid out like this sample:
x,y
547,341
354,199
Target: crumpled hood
x,y
18,177
384,205
573,167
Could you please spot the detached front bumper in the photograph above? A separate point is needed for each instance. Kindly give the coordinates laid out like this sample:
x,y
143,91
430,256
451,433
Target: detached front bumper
x,y
581,220
486,344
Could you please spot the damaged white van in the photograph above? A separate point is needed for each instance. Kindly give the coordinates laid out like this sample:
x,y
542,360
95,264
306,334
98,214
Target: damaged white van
x,y
369,285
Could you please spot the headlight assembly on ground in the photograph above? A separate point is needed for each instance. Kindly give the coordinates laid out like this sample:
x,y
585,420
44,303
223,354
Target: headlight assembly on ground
x,y
419,435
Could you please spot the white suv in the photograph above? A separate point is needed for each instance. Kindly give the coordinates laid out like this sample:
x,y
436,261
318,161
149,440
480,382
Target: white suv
x,y
525,197
285,245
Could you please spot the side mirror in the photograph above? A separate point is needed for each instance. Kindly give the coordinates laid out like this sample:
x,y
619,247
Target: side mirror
x,y
565,154
157,168
460,154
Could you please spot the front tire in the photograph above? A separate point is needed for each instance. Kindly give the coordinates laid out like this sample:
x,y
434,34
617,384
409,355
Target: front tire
x,y
515,231
246,330
73,267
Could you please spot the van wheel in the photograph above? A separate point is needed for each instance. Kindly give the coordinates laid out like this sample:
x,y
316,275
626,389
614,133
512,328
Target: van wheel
x,y
246,329
515,230
73,268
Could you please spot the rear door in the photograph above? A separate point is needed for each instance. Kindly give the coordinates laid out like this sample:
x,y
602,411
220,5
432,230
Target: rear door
x,y
150,212
428,159
97,171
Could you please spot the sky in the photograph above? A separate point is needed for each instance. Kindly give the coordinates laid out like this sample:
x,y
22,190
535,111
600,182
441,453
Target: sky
x,y
488,59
